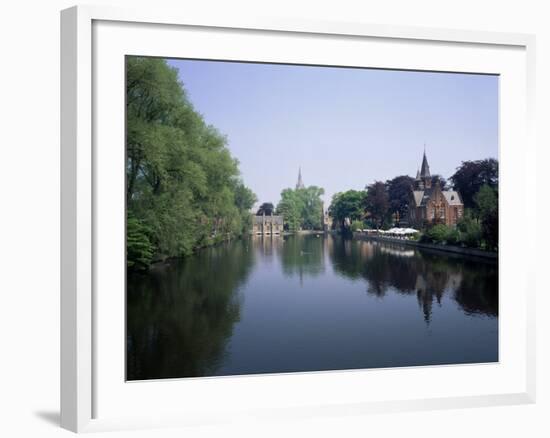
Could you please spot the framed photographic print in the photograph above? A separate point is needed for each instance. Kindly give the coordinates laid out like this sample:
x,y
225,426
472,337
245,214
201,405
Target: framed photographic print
x,y
288,218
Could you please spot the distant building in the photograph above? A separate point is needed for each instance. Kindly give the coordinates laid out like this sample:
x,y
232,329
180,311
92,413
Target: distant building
x,y
300,183
326,219
430,204
267,225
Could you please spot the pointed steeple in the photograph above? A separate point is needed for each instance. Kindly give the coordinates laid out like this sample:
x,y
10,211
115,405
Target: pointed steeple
x,y
425,178
300,183
417,173
425,169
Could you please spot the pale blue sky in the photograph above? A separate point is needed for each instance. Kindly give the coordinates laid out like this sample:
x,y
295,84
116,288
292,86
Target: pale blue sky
x,y
345,127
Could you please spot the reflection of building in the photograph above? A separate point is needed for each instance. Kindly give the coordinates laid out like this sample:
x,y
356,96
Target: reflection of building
x,y
430,204
267,225
326,219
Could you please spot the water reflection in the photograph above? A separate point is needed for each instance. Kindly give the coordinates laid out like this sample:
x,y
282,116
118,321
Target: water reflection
x,y
303,255
473,283
304,303
180,315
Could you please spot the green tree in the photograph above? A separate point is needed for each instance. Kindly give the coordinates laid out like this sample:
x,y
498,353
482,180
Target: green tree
x,y
302,208
244,201
139,250
244,197
470,230
291,207
182,184
347,205
312,207
439,233
487,204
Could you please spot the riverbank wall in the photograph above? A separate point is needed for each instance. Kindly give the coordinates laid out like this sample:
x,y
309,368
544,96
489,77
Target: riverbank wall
x,y
304,233
431,246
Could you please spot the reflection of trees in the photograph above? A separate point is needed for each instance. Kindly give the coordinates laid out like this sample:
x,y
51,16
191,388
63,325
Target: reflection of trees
x,y
303,255
180,315
478,291
429,275
375,263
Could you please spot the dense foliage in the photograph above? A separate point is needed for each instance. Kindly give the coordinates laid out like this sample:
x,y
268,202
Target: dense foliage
x,y
266,208
487,207
377,203
478,228
182,184
302,208
347,205
399,193
470,176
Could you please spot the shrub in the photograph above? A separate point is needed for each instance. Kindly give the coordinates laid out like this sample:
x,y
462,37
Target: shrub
x,y
139,250
436,234
356,226
470,230
487,205
453,237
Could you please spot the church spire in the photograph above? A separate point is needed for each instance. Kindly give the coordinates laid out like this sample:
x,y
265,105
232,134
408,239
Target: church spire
x,y
300,183
425,169
425,178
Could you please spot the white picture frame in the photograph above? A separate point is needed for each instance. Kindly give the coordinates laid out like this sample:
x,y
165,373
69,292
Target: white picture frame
x,y
90,38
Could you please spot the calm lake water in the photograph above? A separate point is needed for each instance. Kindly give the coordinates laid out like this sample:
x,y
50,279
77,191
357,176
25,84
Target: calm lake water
x,y
308,303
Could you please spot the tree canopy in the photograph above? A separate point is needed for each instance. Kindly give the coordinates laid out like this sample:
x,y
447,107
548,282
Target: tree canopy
x,y
377,203
487,206
302,208
182,184
347,205
399,193
266,208
470,176
442,181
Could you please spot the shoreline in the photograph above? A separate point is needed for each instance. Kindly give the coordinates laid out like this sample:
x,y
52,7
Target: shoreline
x,y
358,236
432,246
292,233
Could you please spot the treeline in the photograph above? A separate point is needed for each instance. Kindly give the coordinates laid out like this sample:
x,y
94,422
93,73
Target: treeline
x,y
183,189
384,204
302,208
380,205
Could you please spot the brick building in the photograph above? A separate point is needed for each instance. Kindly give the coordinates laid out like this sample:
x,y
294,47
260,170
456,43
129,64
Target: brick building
x,y
430,204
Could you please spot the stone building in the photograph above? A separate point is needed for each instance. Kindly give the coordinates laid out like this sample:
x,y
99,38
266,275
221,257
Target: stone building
x,y
429,204
267,225
326,219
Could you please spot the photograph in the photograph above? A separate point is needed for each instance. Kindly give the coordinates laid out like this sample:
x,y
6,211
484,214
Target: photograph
x,y
288,218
